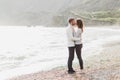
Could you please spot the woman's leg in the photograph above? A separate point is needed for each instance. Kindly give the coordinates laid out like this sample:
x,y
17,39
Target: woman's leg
x,y
78,52
70,58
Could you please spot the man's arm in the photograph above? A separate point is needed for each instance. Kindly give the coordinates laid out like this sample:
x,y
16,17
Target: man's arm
x,y
70,35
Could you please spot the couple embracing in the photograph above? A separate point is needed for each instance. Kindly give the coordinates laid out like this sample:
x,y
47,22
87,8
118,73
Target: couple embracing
x,y
74,38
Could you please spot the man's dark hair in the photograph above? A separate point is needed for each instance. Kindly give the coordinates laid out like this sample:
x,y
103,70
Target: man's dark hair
x,y
71,19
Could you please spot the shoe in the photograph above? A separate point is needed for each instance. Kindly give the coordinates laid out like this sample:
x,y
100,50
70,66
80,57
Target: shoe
x,y
71,71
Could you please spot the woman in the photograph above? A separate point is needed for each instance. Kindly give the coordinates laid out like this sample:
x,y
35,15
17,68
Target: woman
x,y
78,44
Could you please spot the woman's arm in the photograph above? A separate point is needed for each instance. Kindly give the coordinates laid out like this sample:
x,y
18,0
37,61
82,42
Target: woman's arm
x,y
70,35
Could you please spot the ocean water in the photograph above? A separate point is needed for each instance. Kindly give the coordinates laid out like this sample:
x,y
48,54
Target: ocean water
x,y
25,50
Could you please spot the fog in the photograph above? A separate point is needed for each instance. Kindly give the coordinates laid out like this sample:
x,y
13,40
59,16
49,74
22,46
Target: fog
x,y
50,12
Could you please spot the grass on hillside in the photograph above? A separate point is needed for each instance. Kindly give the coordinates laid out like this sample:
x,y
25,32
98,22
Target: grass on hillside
x,y
105,16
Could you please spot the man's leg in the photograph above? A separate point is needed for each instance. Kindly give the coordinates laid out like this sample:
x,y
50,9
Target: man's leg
x,y
70,58
78,52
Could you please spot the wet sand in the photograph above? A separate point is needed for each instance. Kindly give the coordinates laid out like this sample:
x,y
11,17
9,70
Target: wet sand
x,y
102,66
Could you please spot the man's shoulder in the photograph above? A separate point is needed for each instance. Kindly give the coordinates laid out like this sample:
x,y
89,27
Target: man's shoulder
x,y
68,27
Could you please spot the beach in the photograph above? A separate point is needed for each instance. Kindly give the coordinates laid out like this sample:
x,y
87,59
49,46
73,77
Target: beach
x,y
104,66
40,53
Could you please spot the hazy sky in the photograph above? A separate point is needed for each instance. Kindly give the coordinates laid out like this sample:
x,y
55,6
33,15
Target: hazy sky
x,y
25,10
28,5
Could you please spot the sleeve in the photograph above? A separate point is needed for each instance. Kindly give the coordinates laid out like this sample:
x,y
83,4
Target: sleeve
x,y
70,35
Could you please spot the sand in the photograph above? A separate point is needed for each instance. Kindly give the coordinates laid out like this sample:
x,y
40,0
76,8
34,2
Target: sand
x,y
102,66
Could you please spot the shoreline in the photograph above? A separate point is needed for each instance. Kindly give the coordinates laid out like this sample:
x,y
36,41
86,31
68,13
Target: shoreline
x,y
102,66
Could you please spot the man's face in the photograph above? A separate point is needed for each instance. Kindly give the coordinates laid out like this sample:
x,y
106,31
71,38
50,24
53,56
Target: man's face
x,y
73,23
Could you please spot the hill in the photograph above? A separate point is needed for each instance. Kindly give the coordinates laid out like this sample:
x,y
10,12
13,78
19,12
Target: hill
x,y
56,12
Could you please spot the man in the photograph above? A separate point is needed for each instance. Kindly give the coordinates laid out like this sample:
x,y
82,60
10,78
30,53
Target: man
x,y
74,43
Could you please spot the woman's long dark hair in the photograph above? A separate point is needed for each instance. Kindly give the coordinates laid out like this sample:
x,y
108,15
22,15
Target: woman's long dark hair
x,y
80,24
